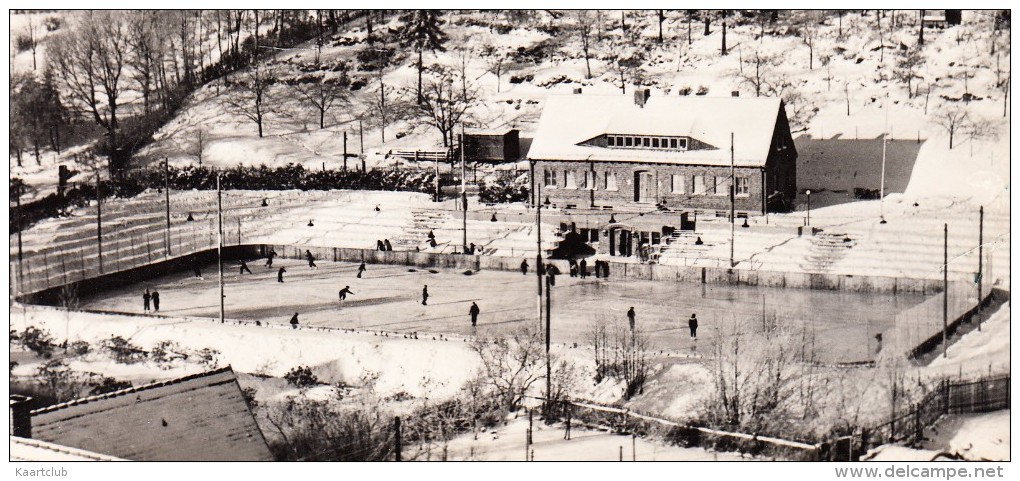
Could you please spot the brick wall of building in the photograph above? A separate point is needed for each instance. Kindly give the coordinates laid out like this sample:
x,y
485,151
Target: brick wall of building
x,y
662,188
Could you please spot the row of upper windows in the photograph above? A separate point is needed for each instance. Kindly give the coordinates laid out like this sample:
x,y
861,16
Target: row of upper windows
x,y
646,142
702,184
583,179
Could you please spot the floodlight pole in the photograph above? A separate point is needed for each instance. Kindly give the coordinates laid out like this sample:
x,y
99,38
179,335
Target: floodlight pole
x,y
981,242
166,188
733,200
548,336
945,290
885,137
219,237
463,186
99,221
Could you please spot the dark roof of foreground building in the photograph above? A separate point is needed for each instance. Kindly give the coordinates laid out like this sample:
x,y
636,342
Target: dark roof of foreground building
x,y
202,417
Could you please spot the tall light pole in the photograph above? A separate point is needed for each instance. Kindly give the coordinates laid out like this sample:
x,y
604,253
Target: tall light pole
x,y
538,256
981,242
166,188
808,192
945,290
885,136
548,336
733,200
463,186
219,239
99,221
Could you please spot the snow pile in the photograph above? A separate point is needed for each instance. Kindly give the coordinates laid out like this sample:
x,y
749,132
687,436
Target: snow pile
x,y
983,437
978,352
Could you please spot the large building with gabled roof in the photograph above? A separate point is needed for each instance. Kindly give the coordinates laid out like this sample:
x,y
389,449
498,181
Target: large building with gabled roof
x,y
638,152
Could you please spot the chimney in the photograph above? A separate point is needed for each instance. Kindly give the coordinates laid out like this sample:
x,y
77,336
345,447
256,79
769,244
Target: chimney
x,y
641,97
577,90
735,93
21,416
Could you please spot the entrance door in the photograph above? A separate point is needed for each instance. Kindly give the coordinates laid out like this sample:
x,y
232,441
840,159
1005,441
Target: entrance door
x,y
644,187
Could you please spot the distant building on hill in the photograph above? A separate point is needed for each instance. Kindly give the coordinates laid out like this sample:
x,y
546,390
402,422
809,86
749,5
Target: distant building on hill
x,y
638,152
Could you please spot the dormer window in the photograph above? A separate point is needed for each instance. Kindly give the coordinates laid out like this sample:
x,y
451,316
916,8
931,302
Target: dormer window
x,y
644,142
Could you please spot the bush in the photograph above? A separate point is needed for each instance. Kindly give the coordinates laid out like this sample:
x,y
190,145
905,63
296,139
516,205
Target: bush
x,y
122,350
209,358
104,384
301,376
22,42
52,24
38,341
166,352
503,191
79,348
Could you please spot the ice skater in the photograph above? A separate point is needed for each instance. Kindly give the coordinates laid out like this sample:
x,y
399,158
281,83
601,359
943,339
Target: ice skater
x,y
269,258
425,295
198,271
145,300
524,267
582,268
474,311
311,260
361,269
244,268
631,318
343,293
155,300
294,321
279,274
692,323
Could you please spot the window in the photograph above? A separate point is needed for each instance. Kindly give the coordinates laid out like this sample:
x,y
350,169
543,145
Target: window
x,y
611,141
629,141
582,177
646,142
722,184
589,180
672,143
656,238
678,186
683,144
549,178
610,180
699,185
570,180
743,186
655,143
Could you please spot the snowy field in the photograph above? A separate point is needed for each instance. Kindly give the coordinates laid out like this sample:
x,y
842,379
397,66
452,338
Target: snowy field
x,y
388,298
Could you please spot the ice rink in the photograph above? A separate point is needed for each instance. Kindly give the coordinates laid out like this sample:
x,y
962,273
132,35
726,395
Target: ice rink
x,y
388,298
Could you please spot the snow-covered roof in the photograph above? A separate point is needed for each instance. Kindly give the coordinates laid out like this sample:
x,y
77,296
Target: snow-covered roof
x,y
23,449
568,120
202,417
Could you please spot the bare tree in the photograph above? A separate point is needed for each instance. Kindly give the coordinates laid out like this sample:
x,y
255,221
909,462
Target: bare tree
x,y
199,148
251,99
952,118
907,67
760,72
585,25
627,60
808,36
323,93
91,59
33,41
444,105
511,363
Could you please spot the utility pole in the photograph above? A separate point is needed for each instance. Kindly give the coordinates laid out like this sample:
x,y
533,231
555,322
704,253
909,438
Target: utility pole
x,y
20,214
538,257
733,200
463,184
345,151
219,238
396,437
885,136
99,221
166,188
945,290
361,135
548,341
981,242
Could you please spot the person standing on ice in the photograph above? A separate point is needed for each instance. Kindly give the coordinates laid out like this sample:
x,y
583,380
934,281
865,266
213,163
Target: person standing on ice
x,y
279,274
631,318
311,260
361,269
343,293
270,256
145,300
474,311
692,323
294,321
155,300
244,267
425,295
582,268
524,267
